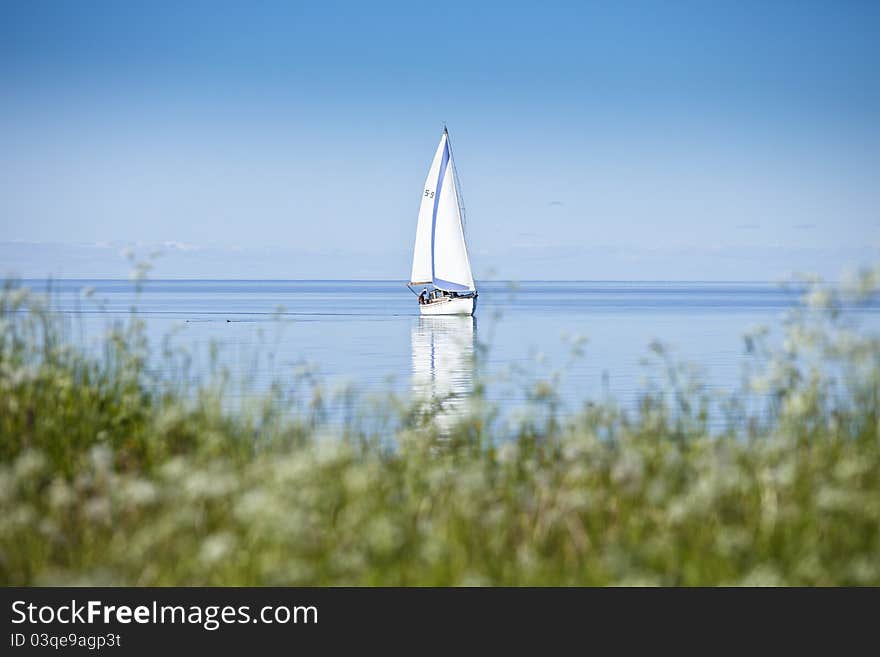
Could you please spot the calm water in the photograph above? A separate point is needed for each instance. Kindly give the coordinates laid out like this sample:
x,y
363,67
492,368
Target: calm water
x,y
368,334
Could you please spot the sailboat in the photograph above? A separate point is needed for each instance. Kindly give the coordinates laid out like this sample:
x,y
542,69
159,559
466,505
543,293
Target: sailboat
x,y
440,258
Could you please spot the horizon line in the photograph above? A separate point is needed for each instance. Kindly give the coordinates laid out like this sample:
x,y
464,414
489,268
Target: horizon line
x,y
49,279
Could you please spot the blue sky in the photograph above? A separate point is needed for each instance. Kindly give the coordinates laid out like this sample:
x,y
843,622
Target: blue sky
x,y
618,140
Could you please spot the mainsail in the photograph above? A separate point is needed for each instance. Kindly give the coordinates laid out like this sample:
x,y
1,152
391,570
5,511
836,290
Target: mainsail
x,y
440,256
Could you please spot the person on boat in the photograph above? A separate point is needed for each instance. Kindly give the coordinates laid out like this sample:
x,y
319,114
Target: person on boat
x,y
423,296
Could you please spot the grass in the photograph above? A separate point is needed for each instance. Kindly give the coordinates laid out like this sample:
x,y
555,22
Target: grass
x,y
110,475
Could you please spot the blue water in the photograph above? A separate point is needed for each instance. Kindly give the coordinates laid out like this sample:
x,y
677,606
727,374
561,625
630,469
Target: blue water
x,y
367,335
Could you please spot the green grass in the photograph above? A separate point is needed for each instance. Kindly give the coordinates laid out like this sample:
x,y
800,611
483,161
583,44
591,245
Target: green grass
x,y
109,475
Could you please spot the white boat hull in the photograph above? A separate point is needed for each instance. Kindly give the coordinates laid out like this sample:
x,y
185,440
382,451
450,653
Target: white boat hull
x,y
458,306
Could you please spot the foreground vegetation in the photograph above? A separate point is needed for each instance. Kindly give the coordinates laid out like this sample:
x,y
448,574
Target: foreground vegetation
x,y
112,475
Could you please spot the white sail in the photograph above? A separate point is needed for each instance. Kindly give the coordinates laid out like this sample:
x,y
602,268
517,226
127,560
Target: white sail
x,y
423,259
440,254
452,267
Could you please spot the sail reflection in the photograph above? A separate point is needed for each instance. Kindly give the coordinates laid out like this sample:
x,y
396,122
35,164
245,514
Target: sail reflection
x,y
443,367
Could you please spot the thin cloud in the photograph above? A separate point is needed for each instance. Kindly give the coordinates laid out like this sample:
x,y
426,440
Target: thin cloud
x,y
174,245
804,226
556,204
748,226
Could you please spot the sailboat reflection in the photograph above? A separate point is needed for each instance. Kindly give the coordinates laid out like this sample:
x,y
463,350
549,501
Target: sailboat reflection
x,y
443,367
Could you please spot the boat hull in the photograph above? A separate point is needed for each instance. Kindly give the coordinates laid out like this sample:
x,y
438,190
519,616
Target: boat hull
x,y
457,306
